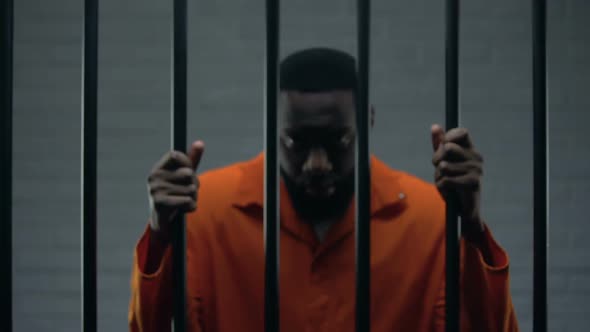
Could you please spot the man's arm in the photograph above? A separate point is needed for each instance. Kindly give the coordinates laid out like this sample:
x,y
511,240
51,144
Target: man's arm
x,y
172,190
474,232
486,303
151,287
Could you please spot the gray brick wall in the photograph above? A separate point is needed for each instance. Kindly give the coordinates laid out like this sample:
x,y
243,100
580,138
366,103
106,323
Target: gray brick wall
x,y
225,102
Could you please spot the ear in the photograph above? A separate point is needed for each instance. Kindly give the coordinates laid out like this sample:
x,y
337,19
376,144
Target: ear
x,y
372,116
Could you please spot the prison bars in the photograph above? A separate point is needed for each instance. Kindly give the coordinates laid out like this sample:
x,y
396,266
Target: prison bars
x,y
179,137
452,286
362,176
179,101
540,185
6,53
271,166
89,161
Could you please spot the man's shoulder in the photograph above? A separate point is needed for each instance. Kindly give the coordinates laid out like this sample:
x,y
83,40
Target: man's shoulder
x,y
217,194
420,195
409,183
227,172
225,176
424,207
418,186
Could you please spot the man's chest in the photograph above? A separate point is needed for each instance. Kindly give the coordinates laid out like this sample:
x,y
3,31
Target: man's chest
x,y
317,280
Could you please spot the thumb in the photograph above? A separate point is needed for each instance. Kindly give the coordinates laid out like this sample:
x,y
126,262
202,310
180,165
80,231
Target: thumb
x,y
437,135
196,152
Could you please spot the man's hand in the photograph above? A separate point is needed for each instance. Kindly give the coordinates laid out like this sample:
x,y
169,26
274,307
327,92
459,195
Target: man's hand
x,y
173,187
459,168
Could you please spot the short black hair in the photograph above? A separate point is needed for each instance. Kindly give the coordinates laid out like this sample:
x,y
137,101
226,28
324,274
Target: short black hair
x,y
318,69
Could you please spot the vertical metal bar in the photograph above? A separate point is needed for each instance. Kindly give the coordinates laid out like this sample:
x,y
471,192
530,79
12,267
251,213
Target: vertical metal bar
x,y
271,192
89,155
540,184
6,49
362,176
179,129
452,121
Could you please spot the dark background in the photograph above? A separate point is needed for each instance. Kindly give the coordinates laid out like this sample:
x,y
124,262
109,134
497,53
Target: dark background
x,y
226,71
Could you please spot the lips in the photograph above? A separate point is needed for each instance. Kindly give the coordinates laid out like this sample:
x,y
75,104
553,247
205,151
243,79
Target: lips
x,y
320,189
319,192
318,185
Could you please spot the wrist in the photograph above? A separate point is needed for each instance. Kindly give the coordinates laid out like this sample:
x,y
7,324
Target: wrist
x,y
159,234
474,232
473,229
158,243
159,237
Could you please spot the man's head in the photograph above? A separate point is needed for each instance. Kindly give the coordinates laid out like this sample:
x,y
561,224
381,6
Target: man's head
x,y
317,130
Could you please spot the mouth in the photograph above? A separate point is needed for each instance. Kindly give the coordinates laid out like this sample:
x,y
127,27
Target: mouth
x,y
320,187
320,191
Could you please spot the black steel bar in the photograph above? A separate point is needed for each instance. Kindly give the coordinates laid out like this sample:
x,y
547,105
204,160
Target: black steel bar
x,y
271,189
179,129
362,176
89,134
6,87
452,121
540,244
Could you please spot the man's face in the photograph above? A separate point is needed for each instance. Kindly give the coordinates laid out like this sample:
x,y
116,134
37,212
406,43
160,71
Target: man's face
x,y
317,150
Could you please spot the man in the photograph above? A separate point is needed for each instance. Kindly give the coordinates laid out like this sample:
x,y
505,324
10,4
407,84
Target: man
x,y
225,256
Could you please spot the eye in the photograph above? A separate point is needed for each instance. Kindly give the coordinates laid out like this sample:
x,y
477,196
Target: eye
x,y
346,139
288,141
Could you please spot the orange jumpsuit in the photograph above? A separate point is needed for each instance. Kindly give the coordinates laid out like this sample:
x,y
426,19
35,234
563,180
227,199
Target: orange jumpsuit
x,y
225,263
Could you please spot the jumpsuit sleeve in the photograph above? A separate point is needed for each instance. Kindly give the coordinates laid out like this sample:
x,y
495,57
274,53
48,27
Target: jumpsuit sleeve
x,y
485,302
151,303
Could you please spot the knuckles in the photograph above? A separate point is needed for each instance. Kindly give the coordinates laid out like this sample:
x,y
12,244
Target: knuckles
x,y
184,172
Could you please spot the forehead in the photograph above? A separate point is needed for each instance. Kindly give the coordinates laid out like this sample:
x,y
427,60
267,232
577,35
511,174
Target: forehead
x,y
317,109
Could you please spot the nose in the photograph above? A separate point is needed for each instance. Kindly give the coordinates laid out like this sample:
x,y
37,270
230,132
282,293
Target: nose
x,y
317,162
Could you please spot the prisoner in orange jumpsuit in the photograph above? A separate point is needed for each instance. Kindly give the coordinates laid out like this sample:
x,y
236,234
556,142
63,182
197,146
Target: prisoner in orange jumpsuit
x,y
225,254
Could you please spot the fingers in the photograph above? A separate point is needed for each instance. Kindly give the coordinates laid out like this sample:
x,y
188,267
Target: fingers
x,y
176,159
453,152
184,175
168,189
196,152
437,134
459,136
173,160
175,203
168,198
464,181
173,185
445,168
